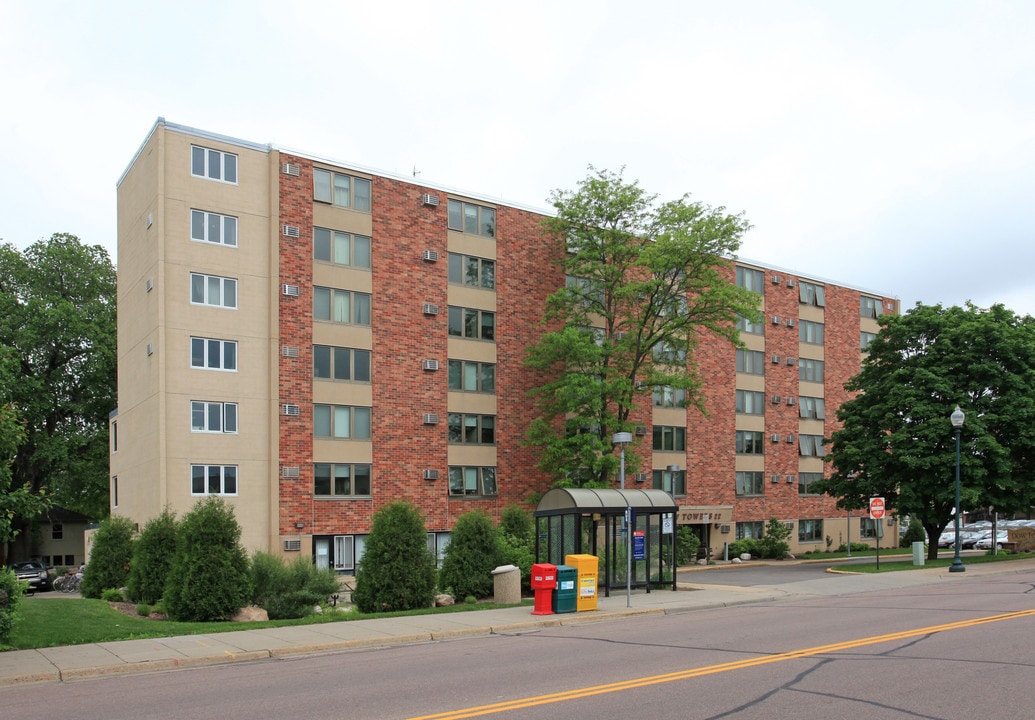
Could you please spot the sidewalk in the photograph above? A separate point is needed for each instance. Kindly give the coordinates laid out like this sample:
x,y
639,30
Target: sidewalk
x,y
75,662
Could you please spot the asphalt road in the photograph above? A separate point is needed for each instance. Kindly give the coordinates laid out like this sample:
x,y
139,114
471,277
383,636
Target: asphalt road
x,y
959,648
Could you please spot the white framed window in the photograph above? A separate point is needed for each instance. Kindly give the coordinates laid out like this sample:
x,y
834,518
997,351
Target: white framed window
x,y
341,190
472,481
213,164
341,306
811,294
213,290
344,552
213,479
470,218
341,363
341,248
211,354
213,417
341,480
341,422
213,228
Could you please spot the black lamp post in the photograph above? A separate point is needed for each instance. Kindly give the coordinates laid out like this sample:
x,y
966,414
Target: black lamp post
x,y
957,424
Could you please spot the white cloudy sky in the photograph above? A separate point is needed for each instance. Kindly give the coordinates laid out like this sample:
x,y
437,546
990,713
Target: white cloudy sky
x,y
882,144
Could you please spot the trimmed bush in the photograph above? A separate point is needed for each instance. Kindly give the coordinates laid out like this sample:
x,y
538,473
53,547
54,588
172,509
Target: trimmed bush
x,y
209,577
11,591
914,533
687,545
110,557
153,554
292,590
397,571
472,555
516,533
774,543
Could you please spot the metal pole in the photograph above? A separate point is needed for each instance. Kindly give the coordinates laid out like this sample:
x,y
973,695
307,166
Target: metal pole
x,y
957,563
628,540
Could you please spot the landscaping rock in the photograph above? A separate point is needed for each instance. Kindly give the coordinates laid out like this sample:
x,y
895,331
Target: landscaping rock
x,y
250,614
443,600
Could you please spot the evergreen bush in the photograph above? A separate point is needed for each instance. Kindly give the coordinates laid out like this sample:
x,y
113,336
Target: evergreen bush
x,y
914,533
397,571
472,555
773,544
289,590
153,554
110,557
687,545
11,591
517,540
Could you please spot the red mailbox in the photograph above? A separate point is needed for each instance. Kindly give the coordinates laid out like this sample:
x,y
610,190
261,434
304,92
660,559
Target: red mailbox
x,y
544,580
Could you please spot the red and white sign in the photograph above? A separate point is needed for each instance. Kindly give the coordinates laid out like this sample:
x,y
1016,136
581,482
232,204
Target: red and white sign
x,y
876,508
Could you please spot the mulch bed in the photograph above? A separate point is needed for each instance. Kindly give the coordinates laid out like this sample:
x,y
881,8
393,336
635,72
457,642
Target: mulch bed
x,y
127,608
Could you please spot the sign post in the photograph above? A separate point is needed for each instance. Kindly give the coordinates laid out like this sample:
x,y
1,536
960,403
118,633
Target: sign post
x,y
877,514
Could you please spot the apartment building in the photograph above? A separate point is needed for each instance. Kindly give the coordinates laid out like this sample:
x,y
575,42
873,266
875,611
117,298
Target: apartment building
x,y
312,340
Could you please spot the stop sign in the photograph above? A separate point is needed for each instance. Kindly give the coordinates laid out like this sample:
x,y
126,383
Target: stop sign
x,y
876,508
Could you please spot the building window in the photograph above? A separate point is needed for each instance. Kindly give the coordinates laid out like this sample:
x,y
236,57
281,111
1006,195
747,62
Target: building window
x,y
472,323
811,445
213,417
115,437
472,481
811,294
750,482
341,190
750,279
669,397
213,290
669,437
810,531
750,402
472,271
665,353
671,481
805,481
753,530
341,363
114,490
810,370
810,332
865,338
213,164
471,376
57,531
213,479
341,480
749,327
341,248
751,362
213,228
870,307
811,408
867,527
213,354
470,429
470,218
341,422
341,306
750,442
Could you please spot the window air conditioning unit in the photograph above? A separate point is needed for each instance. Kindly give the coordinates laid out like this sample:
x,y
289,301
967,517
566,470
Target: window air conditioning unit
x,y
790,479
776,319
291,410
291,231
429,256
790,361
777,399
620,335
289,351
789,438
290,169
724,529
430,419
790,401
775,279
789,525
289,471
776,478
790,322
641,430
429,309
430,364
429,200
291,290
790,282
431,474
292,545
775,437
775,359
640,477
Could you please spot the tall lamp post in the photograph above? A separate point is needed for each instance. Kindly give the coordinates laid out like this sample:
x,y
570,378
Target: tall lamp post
x,y
621,439
957,424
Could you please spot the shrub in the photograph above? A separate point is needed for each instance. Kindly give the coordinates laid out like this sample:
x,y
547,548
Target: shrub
x,y
687,545
397,571
109,558
11,591
143,609
856,547
112,595
208,579
774,544
516,534
745,545
914,533
289,591
517,522
152,557
472,555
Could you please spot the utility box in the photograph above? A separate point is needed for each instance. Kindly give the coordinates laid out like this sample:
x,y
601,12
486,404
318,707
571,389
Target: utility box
x,y
566,594
506,585
544,580
587,568
918,553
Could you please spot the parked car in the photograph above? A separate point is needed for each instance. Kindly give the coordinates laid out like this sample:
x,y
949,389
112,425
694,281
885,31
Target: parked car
x,y
971,541
33,572
948,539
986,543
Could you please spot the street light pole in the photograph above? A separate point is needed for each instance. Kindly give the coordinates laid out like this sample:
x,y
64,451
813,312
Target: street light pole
x,y
957,423
621,439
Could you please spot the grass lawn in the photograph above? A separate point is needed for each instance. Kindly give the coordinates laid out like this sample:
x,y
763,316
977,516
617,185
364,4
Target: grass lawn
x,y
50,621
905,563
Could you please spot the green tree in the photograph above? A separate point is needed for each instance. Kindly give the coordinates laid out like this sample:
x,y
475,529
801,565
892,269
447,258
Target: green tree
x,y
472,555
153,554
687,545
516,534
110,557
397,571
773,544
209,578
11,592
896,440
644,281
57,319
17,500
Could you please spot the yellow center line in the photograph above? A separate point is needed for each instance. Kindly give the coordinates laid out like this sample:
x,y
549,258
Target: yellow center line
x,y
711,669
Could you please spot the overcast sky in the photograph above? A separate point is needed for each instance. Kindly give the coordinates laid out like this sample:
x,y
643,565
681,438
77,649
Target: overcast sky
x,y
886,145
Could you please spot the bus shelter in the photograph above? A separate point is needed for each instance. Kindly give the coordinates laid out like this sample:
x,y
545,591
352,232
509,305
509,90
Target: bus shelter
x,y
593,521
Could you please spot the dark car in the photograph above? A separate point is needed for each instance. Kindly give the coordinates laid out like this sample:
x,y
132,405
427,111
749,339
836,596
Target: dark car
x,y
33,572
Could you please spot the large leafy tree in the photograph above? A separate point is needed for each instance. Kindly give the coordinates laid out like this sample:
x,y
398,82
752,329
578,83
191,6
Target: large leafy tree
x,y
645,279
896,439
57,322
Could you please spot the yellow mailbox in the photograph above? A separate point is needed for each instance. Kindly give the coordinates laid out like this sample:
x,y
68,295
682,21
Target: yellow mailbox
x,y
586,569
